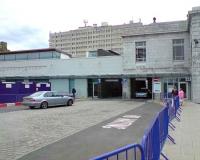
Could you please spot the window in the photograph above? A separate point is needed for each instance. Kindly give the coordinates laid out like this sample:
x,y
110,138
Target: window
x,y
10,57
45,55
21,56
33,56
140,50
1,57
178,49
48,94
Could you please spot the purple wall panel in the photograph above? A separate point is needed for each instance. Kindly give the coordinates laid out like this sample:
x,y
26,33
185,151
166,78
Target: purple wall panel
x,y
44,87
14,92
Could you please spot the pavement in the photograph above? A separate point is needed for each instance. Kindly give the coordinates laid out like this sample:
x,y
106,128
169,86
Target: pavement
x,y
106,136
11,108
25,131
186,135
36,135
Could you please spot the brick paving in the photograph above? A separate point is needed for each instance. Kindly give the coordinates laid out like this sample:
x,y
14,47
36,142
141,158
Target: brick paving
x,y
27,130
187,135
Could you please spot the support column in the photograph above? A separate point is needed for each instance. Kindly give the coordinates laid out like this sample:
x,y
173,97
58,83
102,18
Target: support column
x,y
126,88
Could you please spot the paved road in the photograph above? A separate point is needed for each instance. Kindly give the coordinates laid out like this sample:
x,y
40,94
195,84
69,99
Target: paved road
x,y
25,131
186,135
97,140
12,108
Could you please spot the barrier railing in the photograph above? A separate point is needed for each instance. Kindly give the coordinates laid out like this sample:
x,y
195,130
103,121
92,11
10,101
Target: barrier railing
x,y
154,138
129,152
156,135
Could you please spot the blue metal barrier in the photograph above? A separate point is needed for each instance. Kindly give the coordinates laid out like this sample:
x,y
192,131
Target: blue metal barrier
x,y
154,138
156,135
129,152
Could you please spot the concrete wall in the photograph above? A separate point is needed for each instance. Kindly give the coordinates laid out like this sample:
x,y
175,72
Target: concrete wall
x,y
63,85
194,20
110,65
81,88
159,54
60,85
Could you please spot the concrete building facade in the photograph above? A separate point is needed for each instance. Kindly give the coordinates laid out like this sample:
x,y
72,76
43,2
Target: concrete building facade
x,y
89,38
3,47
158,57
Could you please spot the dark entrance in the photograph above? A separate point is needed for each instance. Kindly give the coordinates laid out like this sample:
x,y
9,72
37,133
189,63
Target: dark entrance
x,y
111,88
140,85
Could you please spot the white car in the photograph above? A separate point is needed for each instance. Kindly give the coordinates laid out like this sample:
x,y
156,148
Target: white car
x,y
142,93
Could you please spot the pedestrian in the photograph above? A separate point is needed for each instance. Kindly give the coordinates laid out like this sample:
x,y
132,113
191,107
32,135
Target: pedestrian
x,y
174,92
74,92
181,96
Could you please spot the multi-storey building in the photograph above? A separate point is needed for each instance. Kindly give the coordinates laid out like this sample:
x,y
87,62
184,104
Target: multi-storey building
x,y
89,38
157,57
3,47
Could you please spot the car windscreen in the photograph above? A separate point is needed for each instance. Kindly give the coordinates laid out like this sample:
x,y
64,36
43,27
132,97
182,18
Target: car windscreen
x,y
36,94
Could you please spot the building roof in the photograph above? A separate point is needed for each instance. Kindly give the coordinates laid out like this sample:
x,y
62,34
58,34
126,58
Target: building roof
x,y
158,28
102,52
35,50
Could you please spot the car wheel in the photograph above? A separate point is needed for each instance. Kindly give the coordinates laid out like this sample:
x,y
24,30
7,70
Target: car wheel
x,y
69,103
31,107
44,105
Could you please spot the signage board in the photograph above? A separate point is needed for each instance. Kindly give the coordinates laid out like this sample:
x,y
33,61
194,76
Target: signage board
x,y
156,87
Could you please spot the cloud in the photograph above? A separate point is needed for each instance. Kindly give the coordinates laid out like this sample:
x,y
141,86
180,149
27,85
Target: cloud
x,y
23,37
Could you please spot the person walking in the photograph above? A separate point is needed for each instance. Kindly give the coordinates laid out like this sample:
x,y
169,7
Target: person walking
x,y
181,96
74,92
174,92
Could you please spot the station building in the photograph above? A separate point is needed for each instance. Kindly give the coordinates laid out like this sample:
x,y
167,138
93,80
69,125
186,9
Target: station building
x,y
165,53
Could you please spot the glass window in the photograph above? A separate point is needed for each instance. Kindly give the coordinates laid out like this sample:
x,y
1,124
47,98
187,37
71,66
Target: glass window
x,y
178,49
140,50
1,57
45,55
21,56
10,57
48,94
33,56
36,94
56,55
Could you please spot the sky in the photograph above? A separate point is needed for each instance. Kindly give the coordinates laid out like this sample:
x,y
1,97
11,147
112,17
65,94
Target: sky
x,y
26,24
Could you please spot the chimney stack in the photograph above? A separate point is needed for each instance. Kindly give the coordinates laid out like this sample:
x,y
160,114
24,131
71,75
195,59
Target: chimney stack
x,y
154,19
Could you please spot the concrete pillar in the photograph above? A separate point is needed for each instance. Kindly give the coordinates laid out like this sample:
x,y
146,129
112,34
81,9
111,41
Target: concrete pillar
x,y
126,88
194,29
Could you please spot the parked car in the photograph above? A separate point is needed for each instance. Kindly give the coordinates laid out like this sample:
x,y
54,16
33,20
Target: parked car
x,y
44,99
143,93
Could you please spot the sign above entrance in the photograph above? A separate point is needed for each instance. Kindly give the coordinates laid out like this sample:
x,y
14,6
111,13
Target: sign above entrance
x,y
140,79
112,80
156,79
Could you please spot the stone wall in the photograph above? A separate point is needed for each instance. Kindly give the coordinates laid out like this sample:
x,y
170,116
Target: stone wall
x,y
194,26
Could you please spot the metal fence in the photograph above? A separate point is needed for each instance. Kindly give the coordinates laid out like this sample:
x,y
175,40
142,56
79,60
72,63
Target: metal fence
x,y
129,152
154,137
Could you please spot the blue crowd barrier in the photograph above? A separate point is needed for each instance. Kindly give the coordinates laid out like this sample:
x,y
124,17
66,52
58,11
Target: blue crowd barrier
x,y
154,137
129,152
174,107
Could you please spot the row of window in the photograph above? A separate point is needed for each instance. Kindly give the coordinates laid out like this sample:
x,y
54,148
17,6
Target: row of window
x,y
178,50
29,56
